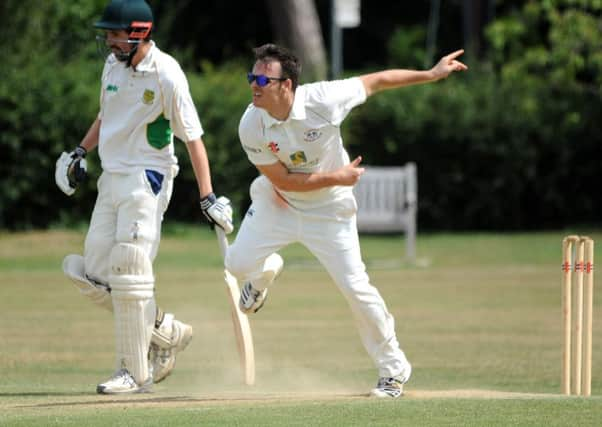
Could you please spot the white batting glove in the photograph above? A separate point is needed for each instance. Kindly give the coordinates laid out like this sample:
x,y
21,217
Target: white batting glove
x,y
71,169
218,211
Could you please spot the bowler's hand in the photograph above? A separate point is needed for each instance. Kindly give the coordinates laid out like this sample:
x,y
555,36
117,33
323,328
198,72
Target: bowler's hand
x,y
350,174
448,64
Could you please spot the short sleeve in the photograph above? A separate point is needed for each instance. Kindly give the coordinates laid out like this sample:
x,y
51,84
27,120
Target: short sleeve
x,y
184,121
178,106
335,99
250,132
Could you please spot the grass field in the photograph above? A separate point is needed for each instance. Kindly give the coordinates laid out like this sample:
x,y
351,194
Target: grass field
x,y
478,316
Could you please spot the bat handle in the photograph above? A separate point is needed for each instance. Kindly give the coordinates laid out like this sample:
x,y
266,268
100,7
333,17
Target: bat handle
x,y
222,240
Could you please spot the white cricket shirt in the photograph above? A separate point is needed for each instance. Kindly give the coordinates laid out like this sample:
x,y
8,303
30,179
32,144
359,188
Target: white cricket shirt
x,y
141,110
309,140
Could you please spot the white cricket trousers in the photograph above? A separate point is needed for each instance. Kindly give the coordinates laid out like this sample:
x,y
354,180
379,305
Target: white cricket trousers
x,y
270,225
129,209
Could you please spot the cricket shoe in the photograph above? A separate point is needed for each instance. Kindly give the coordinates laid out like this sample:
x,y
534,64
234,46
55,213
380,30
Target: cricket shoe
x,y
122,382
251,299
392,387
171,337
388,388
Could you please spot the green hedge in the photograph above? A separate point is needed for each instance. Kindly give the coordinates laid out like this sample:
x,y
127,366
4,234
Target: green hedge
x,y
43,111
491,153
221,96
515,143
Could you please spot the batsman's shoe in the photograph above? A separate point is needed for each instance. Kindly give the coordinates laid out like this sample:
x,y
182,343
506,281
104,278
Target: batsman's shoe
x,y
251,300
122,382
168,339
389,388
163,361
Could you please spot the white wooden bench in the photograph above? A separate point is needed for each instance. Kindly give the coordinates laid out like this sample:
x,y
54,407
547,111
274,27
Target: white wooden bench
x,y
387,198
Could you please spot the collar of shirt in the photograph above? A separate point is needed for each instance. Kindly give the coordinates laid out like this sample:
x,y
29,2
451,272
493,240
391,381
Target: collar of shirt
x,y
297,111
147,62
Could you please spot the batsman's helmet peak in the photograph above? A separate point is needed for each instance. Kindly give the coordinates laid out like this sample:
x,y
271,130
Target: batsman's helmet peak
x,y
122,14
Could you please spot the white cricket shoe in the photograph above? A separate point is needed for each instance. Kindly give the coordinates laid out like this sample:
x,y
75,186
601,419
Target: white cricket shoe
x,y
251,299
392,387
122,382
168,339
388,388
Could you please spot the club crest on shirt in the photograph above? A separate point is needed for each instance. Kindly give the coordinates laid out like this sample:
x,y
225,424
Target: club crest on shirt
x,y
273,146
148,97
312,135
298,158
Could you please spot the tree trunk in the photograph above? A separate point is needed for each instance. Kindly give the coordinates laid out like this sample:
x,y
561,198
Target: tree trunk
x,y
297,27
476,15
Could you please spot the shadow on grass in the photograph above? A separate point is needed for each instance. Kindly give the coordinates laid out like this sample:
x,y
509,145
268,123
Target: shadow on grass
x,y
46,393
169,400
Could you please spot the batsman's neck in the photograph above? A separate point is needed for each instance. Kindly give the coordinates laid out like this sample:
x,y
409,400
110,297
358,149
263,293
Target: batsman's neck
x,y
143,49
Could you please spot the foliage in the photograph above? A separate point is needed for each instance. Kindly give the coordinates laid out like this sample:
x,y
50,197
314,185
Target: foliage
x,y
406,47
42,114
221,96
513,143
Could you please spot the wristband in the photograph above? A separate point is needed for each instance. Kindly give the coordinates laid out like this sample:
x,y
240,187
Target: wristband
x,y
208,201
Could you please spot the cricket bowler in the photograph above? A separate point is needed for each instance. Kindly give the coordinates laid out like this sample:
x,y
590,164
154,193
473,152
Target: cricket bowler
x,y
291,134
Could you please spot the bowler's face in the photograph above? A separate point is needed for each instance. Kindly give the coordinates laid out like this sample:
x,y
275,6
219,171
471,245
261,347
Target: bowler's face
x,y
269,96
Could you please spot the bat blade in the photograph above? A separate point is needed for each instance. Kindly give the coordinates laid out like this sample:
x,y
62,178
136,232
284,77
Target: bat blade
x,y
242,330
240,321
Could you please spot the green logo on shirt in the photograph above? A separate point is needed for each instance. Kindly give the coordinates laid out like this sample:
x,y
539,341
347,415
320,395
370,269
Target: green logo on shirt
x,y
112,88
298,158
148,97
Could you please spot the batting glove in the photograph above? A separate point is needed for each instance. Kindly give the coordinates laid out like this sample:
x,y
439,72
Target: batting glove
x,y
71,169
218,211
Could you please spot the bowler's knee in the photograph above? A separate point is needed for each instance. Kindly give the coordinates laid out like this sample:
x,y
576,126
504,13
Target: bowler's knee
x,y
238,264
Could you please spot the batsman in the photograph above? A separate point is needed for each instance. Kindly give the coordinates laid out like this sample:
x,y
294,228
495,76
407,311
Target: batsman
x,y
144,102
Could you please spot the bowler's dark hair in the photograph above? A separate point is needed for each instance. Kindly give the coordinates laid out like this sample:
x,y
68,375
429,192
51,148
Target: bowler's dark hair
x,y
291,67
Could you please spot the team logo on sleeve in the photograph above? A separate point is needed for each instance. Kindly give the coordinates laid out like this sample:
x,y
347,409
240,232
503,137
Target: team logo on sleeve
x,y
312,135
148,97
298,158
273,146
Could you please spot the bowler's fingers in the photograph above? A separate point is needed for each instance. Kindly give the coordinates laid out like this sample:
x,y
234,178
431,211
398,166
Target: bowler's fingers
x,y
355,164
356,161
452,63
458,66
453,55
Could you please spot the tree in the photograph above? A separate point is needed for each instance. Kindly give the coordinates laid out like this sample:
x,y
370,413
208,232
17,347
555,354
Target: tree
x,y
296,25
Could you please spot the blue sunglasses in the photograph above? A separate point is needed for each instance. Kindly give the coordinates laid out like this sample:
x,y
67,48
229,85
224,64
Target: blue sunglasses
x,y
263,80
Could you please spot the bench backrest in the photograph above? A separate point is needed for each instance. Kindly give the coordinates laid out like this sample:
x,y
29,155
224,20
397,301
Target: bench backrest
x,y
387,198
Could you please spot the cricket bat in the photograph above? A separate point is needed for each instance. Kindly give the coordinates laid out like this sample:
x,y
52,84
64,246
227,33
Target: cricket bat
x,y
242,329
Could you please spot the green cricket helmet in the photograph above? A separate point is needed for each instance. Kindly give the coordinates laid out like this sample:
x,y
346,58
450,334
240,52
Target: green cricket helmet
x,y
133,16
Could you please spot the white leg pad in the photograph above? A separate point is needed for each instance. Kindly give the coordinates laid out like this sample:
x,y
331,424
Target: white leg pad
x,y
134,308
73,267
